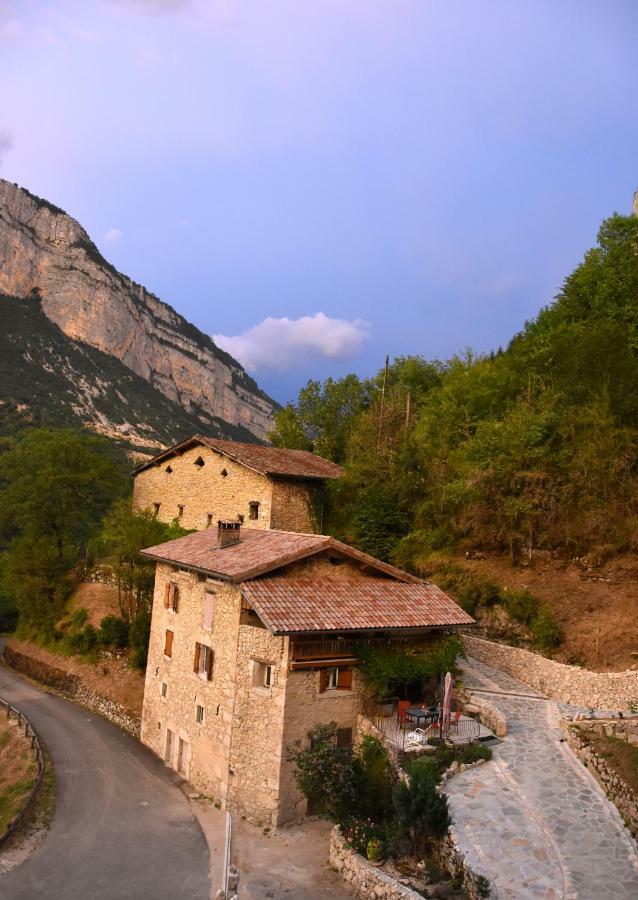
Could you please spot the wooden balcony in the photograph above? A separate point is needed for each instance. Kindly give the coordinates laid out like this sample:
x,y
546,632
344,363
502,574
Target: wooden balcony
x,y
307,653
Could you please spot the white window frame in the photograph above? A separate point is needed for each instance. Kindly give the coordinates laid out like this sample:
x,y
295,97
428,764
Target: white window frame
x,y
263,675
204,653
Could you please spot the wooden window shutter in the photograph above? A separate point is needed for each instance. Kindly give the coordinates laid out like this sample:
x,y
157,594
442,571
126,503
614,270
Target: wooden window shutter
x,y
167,594
344,682
209,668
323,680
198,650
175,597
168,647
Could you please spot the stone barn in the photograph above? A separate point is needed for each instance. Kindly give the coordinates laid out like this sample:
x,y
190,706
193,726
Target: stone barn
x,y
202,480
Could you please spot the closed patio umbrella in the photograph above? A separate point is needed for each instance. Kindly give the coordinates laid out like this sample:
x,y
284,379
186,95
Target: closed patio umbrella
x,y
447,703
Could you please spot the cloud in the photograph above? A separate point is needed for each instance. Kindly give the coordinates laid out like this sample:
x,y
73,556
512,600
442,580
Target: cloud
x,y
280,344
112,235
6,143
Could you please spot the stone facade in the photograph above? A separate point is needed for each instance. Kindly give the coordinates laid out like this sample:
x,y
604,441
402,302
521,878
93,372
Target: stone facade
x,y
238,753
568,684
198,495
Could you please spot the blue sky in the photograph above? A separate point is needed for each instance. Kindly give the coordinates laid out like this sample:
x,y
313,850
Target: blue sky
x,y
371,177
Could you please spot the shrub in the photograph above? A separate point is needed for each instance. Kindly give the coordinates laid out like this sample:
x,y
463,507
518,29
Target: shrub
x,y
388,671
430,767
139,636
490,594
359,833
545,629
113,631
375,780
78,618
325,774
473,752
521,606
420,808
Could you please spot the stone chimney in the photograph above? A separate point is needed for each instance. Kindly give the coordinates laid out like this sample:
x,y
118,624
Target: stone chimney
x,y
635,209
228,533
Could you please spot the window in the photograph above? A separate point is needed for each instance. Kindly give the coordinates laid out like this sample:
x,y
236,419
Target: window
x,y
335,679
199,462
209,520
164,691
203,662
199,714
262,674
253,510
223,473
171,596
180,510
168,644
156,508
209,606
168,469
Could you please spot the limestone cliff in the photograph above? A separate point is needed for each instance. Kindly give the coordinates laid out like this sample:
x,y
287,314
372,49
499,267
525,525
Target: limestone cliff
x,y
46,252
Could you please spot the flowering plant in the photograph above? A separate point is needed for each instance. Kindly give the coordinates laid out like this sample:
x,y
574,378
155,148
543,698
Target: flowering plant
x,y
358,833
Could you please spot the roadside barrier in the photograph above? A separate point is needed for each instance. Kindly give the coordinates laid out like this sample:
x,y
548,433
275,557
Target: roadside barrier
x,y
36,749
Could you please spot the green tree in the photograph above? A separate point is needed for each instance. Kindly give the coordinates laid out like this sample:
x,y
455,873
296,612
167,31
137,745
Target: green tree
x,y
55,486
289,431
123,535
420,807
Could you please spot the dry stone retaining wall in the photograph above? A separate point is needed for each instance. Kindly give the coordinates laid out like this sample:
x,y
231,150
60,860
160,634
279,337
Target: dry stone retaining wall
x,y
363,879
568,684
71,686
617,790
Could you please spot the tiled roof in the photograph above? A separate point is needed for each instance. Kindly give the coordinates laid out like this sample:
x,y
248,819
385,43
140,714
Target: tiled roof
x,y
259,551
290,605
260,458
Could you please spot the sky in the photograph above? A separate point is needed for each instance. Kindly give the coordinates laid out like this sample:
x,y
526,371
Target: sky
x,y
317,183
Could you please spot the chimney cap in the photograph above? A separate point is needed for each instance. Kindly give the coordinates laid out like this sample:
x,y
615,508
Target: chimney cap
x,y
228,533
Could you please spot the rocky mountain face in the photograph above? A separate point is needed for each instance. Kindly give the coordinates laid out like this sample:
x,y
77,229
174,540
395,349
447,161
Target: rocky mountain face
x,y
47,255
47,379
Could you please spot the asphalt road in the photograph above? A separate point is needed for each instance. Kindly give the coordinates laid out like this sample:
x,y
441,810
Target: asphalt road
x,y
122,828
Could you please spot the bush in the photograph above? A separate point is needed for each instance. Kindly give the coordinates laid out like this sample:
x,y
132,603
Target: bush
x,y
473,752
430,767
113,631
545,630
420,808
521,606
359,833
139,637
325,774
82,642
78,618
375,780
385,672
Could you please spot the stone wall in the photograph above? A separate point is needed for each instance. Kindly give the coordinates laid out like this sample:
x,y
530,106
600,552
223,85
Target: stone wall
x,y
71,686
616,789
207,495
479,706
567,684
362,878
206,751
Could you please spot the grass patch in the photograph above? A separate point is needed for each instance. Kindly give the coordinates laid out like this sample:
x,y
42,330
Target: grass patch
x,y
18,771
619,755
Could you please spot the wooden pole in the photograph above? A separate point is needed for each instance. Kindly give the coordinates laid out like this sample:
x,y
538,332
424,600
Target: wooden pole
x,y
385,382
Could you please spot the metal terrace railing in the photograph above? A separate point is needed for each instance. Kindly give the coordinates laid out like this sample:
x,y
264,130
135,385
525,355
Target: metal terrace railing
x,y
410,737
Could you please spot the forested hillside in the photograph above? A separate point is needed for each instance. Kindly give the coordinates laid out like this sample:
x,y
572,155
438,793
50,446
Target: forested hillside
x,y
529,448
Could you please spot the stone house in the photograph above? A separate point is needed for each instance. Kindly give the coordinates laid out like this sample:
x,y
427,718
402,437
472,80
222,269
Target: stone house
x,y
253,641
202,480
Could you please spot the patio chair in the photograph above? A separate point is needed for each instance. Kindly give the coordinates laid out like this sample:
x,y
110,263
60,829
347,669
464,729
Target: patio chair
x,y
416,738
402,707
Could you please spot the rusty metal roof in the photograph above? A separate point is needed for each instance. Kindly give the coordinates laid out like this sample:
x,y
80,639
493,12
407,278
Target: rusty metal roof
x,y
257,552
258,457
293,605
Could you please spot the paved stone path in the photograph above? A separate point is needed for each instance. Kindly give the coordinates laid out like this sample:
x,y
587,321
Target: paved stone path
x,y
534,821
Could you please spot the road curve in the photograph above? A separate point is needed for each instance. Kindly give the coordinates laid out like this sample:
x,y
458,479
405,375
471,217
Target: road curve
x,y
122,828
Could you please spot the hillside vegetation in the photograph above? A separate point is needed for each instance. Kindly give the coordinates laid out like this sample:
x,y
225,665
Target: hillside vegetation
x,y
48,379
529,448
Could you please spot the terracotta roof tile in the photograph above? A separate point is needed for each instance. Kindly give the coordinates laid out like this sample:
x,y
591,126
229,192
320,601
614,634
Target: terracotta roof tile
x,y
260,458
289,605
259,551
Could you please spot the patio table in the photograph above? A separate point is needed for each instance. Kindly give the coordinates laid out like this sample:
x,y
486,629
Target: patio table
x,y
417,714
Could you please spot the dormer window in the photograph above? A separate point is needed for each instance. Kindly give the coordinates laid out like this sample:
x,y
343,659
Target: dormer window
x,y
168,470
253,510
223,473
199,462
